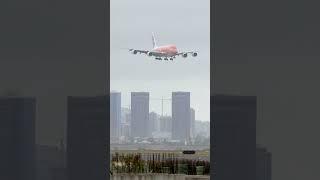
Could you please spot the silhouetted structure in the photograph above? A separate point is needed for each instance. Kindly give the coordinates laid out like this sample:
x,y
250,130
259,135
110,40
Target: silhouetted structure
x,y
86,138
234,137
263,164
181,116
17,137
139,114
115,114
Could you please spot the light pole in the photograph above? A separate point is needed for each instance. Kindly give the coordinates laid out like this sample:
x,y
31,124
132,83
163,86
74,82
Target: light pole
x,y
162,99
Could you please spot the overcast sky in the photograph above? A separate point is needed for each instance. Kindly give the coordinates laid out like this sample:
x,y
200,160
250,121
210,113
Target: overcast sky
x,y
185,23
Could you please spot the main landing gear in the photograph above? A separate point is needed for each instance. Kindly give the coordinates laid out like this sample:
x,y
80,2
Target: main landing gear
x,y
166,59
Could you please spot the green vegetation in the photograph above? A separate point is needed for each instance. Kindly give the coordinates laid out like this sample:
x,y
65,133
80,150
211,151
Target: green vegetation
x,y
158,163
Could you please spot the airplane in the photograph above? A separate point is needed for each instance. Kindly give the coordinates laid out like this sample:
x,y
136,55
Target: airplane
x,y
167,51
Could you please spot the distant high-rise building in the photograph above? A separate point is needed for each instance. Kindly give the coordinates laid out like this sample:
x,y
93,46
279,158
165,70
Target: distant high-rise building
x,y
17,137
165,123
192,122
153,120
234,137
125,129
181,116
125,115
139,114
202,128
86,138
263,164
115,114
157,123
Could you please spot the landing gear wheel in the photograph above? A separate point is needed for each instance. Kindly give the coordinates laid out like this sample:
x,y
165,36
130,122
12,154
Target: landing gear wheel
x,y
171,59
166,59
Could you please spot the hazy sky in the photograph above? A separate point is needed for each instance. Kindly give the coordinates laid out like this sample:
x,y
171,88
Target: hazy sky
x,y
185,23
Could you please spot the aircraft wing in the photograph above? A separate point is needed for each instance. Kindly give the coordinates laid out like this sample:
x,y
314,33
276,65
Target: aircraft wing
x,y
152,53
185,54
135,51
188,52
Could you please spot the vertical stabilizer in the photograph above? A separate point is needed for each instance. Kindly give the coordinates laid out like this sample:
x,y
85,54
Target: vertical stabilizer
x,y
154,43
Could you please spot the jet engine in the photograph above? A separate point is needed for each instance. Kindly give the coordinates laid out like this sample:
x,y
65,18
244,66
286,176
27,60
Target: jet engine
x,y
149,53
134,52
194,54
184,55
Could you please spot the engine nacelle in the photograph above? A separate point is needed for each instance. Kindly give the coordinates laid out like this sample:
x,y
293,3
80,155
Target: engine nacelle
x,y
194,54
134,52
149,53
184,55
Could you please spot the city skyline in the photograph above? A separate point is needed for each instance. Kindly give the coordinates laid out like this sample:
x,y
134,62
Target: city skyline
x,y
155,103
144,123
